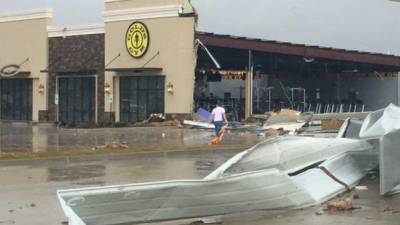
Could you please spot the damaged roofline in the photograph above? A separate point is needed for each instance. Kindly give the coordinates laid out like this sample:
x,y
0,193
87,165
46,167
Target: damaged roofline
x,y
226,41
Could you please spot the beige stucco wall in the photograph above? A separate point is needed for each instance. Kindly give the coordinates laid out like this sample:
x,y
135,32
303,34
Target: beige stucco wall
x,y
172,37
132,4
24,39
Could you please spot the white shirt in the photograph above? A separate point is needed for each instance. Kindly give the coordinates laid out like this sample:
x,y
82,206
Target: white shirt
x,y
218,113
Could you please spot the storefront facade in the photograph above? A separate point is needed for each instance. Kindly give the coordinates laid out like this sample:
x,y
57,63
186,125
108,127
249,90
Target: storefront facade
x,y
23,54
145,59
150,60
141,61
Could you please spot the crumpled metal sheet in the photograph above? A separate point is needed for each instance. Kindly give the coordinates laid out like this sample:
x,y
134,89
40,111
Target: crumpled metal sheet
x,y
159,201
289,154
286,172
350,129
380,123
256,188
389,162
384,125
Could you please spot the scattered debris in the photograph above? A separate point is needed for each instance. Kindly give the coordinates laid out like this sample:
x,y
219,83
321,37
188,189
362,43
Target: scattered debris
x,y
340,204
290,128
159,120
113,145
156,118
203,114
320,212
199,124
199,222
332,124
387,209
168,123
283,116
361,188
274,132
310,171
356,196
206,221
390,210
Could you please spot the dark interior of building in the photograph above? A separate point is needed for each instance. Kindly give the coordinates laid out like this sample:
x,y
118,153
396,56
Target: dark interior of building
x,y
297,81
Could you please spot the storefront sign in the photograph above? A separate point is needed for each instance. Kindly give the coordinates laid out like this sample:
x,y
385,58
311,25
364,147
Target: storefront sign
x,y
137,39
56,101
9,70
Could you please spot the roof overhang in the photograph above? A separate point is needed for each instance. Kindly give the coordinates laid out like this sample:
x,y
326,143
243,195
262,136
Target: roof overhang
x,y
226,41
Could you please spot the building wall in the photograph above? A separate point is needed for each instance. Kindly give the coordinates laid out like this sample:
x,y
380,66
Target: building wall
x,y
24,35
81,55
171,48
132,4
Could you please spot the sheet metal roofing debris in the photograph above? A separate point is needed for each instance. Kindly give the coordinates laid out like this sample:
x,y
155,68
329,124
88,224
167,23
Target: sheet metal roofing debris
x,y
285,172
199,124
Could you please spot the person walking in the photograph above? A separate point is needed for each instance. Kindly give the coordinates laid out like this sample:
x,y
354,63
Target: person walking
x,y
218,117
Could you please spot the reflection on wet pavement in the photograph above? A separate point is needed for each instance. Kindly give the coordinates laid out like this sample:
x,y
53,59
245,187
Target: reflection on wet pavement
x,y
47,137
76,172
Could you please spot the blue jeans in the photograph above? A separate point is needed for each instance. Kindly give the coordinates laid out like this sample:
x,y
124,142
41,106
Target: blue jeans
x,y
218,127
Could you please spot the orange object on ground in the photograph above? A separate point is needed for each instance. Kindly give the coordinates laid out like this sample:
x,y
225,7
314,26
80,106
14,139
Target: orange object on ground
x,y
217,140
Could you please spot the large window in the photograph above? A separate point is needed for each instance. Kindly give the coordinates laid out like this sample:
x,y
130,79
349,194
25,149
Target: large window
x,y
140,97
77,101
16,99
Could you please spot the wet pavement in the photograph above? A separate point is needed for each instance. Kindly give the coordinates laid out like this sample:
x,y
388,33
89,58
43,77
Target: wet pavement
x,y
28,188
47,137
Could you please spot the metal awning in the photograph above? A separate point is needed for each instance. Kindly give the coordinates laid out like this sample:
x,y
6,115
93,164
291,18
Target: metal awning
x,y
21,74
94,71
135,70
72,71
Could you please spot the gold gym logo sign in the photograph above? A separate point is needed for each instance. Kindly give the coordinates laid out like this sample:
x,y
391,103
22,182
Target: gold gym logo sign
x,y
137,39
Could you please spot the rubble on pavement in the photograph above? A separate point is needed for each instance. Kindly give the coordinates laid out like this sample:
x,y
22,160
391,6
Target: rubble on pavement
x,y
340,204
113,145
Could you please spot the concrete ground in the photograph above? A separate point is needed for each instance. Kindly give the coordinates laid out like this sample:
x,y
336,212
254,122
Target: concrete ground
x,y
28,188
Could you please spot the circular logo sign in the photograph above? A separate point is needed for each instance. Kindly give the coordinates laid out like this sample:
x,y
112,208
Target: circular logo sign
x,y
137,39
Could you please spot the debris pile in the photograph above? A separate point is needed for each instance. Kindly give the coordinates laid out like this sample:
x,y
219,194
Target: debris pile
x,y
340,204
160,120
113,145
332,124
168,123
391,210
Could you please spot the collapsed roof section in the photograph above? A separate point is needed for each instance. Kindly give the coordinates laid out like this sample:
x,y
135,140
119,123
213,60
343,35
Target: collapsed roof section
x,y
258,189
286,172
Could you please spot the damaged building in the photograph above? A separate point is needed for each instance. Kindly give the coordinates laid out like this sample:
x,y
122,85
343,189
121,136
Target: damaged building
x,y
148,58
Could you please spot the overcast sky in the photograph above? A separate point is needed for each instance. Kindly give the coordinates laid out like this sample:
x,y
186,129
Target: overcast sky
x,y
367,25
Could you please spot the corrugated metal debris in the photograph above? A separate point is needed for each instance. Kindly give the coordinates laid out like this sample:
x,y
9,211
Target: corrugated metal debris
x,y
284,172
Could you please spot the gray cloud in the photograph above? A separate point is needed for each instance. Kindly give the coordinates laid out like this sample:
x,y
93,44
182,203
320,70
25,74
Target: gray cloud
x,y
366,25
